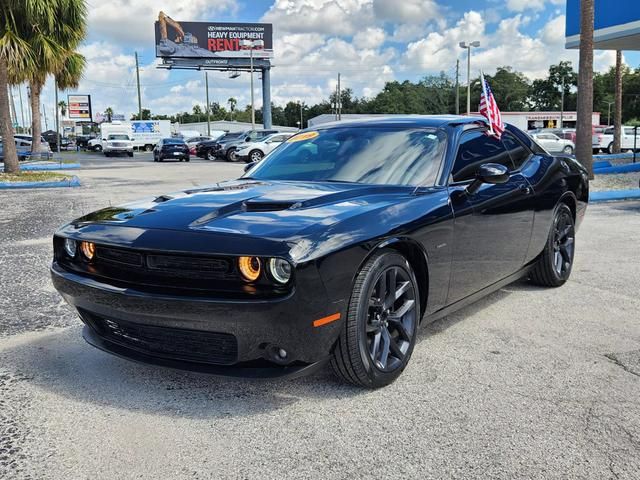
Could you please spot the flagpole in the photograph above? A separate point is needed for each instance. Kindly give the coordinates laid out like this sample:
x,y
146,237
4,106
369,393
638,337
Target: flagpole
x,y
486,102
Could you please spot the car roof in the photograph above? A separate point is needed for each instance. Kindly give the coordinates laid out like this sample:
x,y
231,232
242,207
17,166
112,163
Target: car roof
x,y
433,121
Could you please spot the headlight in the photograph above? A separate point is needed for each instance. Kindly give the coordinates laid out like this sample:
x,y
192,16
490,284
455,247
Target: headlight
x,y
88,249
250,268
70,246
280,270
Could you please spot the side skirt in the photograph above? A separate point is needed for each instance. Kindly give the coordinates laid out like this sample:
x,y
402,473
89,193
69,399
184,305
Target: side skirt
x,y
443,312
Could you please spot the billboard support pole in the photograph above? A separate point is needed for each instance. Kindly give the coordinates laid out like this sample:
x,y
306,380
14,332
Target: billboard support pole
x,y
253,110
266,97
206,86
55,87
138,81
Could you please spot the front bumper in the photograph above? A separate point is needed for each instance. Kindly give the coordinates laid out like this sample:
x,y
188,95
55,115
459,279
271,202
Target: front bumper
x,y
260,327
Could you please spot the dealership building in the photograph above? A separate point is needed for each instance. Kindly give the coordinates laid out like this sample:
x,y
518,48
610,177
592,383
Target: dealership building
x,y
522,120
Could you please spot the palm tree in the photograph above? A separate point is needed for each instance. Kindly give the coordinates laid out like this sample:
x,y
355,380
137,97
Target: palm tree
x,y
16,55
109,113
584,123
232,106
617,116
62,105
65,33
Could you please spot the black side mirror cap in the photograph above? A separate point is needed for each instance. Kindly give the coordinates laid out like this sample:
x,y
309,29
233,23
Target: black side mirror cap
x,y
492,173
249,166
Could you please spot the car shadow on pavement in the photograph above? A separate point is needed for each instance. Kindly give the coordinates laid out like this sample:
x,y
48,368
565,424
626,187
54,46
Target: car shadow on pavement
x,y
62,363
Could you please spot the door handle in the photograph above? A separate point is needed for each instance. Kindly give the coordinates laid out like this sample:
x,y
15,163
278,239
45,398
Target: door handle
x,y
525,189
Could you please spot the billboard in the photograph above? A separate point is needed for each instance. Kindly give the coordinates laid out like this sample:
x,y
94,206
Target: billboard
x,y
211,39
79,107
615,28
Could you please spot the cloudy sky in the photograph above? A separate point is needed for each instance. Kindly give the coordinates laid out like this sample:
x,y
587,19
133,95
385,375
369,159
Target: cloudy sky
x,y
368,41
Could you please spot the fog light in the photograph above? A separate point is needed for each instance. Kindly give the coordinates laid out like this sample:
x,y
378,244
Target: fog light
x,y
70,246
88,249
280,270
250,268
282,353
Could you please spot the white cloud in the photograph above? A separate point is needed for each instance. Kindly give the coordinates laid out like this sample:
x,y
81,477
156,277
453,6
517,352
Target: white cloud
x,y
369,38
522,5
407,11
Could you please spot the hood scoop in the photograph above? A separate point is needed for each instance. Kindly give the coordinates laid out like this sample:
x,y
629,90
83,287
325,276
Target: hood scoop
x,y
267,206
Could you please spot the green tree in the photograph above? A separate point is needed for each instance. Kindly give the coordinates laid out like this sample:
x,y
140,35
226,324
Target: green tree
x,y
108,113
62,106
54,40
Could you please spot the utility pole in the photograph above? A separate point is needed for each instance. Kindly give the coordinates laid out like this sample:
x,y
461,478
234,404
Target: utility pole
x,y
469,80
44,111
138,80
55,87
339,100
253,110
21,107
458,87
301,124
12,106
562,105
206,86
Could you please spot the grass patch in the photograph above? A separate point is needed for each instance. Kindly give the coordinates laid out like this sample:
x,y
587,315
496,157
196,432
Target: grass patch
x,y
34,177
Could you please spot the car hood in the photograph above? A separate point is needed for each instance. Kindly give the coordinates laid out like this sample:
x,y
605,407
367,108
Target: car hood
x,y
267,210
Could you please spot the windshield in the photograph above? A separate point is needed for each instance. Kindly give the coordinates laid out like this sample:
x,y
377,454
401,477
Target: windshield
x,y
378,155
118,137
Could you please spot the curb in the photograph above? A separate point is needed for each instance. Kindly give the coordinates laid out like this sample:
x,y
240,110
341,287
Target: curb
x,y
625,168
73,182
614,195
614,156
50,166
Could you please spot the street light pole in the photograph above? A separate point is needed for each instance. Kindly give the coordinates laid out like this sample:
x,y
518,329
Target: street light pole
x,y
468,46
206,86
562,105
253,109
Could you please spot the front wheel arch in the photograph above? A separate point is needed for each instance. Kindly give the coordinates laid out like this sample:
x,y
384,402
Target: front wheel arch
x,y
417,258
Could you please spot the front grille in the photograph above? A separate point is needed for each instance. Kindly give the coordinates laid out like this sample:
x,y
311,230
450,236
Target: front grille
x,y
174,343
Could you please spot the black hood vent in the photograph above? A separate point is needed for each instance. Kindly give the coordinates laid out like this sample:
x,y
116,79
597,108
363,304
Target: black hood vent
x,y
258,206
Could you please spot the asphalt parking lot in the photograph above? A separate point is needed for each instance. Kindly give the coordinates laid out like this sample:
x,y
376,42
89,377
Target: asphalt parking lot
x,y
527,383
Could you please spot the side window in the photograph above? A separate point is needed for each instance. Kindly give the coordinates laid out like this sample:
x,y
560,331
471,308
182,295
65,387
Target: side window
x,y
517,151
629,131
476,148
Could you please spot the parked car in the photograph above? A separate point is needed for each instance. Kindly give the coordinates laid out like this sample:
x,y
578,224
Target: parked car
x,y
83,140
552,143
227,146
629,140
205,149
334,248
256,151
117,143
24,150
173,148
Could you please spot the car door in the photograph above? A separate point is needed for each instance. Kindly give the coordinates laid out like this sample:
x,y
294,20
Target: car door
x,y
492,227
273,142
629,137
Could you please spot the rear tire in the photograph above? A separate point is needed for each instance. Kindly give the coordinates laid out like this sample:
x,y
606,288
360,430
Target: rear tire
x,y
568,150
231,155
553,267
380,330
610,148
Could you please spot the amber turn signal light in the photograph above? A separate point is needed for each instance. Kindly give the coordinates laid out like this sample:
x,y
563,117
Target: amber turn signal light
x,y
88,249
250,268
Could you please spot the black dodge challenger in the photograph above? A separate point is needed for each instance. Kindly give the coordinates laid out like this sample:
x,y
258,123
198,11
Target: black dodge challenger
x,y
335,248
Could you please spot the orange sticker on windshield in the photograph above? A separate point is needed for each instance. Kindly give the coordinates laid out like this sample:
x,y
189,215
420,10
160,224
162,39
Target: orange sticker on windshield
x,y
303,136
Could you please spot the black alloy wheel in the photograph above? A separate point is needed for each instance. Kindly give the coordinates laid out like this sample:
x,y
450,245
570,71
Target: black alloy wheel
x,y
554,265
381,326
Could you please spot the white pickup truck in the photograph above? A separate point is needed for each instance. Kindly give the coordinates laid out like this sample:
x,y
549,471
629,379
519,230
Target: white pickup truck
x,y
604,141
117,143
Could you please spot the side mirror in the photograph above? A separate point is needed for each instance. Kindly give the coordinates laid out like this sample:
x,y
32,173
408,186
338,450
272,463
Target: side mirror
x,y
249,166
492,173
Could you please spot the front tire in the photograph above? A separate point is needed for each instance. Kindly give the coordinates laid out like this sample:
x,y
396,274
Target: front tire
x,y
553,267
231,155
568,150
381,325
255,156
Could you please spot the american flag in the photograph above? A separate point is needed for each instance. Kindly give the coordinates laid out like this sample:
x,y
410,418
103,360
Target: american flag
x,y
489,109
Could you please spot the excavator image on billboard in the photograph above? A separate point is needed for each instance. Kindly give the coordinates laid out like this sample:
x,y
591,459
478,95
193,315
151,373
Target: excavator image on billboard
x,y
184,44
